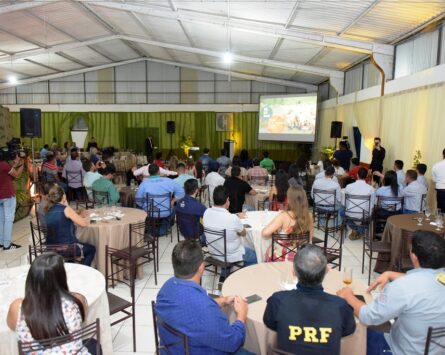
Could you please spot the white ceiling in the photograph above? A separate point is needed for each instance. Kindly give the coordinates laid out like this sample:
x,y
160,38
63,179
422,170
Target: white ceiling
x,y
29,30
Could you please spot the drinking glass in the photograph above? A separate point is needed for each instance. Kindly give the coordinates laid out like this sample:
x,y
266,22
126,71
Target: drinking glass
x,y
438,212
419,219
439,222
427,212
347,276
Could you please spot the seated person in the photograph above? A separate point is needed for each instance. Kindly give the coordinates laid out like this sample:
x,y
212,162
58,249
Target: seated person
x,y
237,189
413,193
277,194
90,177
50,171
267,163
308,320
295,218
326,163
213,179
355,166
246,163
398,168
339,171
156,185
105,184
390,188
41,209
257,175
236,161
356,208
159,161
329,184
60,219
73,172
184,305
219,218
294,176
421,170
191,206
223,160
143,170
182,176
49,309
414,299
205,160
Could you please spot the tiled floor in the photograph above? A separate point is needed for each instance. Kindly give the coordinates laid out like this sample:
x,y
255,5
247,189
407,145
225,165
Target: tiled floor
x,y
146,290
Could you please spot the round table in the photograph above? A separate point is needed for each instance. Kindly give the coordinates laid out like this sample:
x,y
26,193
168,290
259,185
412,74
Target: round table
x,y
113,233
82,279
127,196
262,194
257,220
393,234
259,338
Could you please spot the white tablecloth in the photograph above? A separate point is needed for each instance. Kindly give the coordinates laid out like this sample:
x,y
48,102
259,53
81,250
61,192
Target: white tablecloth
x,y
81,279
257,221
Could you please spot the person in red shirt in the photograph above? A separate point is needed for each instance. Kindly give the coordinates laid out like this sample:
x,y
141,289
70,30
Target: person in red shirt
x,y
7,198
158,161
355,163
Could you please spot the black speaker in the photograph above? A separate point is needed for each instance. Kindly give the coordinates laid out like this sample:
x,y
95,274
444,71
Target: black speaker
x,y
336,129
171,127
30,125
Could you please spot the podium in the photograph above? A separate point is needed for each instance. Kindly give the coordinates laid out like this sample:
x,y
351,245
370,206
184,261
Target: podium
x,y
229,147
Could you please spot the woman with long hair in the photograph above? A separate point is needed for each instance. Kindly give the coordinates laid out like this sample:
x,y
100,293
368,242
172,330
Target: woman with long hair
x,y
60,219
236,161
294,176
246,163
190,168
278,192
390,188
295,218
49,309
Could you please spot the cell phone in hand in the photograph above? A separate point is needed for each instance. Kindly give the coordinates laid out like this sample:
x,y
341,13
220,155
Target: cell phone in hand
x,y
253,298
361,298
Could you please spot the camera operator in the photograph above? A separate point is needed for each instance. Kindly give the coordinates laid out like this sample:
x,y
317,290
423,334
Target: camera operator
x,y
7,196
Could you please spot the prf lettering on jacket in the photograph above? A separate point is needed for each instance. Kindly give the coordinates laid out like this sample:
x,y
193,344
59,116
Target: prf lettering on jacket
x,y
311,334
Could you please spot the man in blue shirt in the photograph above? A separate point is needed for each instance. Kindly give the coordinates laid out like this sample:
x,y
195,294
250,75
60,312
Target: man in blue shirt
x,y
205,159
157,185
415,300
308,320
184,305
182,176
191,206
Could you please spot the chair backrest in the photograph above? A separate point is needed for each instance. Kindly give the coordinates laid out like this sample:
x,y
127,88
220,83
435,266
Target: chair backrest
x,y
390,203
216,242
289,243
423,202
204,195
136,235
403,257
187,221
68,251
101,197
47,178
74,177
358,206
38,233
159,204
433,337
258,180
162,346
325,199
85,334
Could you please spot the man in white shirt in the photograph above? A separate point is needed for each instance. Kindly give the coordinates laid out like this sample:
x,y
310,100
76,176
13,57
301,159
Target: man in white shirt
x,y
398,168
355,208
219,218
438,173
321,174
412,193
91,176
213,179
327,183
421,170
143,170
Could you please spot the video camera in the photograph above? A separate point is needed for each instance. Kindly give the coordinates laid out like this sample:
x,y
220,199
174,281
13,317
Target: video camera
x,y
11,150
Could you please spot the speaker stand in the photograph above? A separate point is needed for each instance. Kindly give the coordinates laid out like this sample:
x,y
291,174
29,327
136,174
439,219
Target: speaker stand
x,y
171,145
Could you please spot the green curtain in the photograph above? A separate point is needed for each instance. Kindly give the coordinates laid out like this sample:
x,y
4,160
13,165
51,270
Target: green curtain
x,y
110,129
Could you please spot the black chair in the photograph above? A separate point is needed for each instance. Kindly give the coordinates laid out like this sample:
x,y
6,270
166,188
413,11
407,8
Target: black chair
x,y
157,205
289,243
385,207
262,204
215,254
357,212
38,232
75,178
433,336
67,251
372,245
403,260
84,335
186,219
161,345
204,195
101,198
423,202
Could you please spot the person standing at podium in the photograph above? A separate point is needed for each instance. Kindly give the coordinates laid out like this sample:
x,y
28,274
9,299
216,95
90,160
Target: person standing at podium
x,y
149,147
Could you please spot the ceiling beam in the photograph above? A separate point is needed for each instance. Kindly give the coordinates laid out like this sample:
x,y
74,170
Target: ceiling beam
x,y
307,87
21,6
44,65
254,26
236,57
68,73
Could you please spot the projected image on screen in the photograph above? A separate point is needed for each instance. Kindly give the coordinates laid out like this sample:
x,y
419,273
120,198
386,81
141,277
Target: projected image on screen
x,y
288,118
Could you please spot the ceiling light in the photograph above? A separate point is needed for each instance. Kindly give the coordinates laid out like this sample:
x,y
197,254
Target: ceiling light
x,y
228,58
12,80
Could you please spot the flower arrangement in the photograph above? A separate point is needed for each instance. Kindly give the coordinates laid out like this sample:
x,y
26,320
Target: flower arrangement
x,y
185,143
417,158
328,152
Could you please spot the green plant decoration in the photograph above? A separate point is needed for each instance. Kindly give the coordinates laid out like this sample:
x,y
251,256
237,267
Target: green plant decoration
x,y
328,152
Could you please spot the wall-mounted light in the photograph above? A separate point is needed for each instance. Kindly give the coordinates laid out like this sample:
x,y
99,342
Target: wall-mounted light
x,y
228,58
